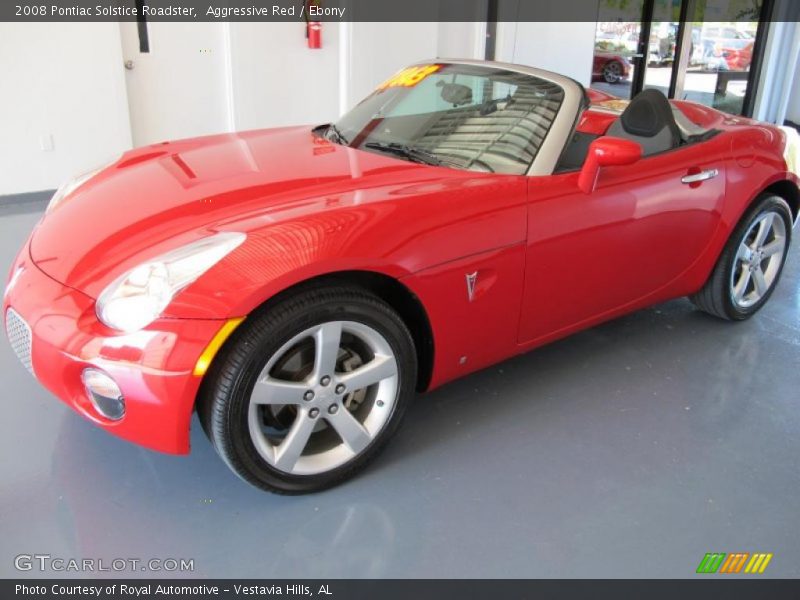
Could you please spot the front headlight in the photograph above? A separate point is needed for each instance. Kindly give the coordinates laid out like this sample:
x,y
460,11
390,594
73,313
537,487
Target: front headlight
x,y
138,297
73,184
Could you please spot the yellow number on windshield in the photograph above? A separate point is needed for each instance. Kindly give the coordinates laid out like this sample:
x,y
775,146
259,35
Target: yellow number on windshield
x,y
409,77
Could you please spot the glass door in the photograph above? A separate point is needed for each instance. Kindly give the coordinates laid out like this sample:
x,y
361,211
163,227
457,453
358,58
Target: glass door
x,y
725,41
662,46
706,51
618,48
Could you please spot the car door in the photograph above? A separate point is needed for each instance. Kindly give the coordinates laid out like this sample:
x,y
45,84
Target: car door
x,y
591,254
597,65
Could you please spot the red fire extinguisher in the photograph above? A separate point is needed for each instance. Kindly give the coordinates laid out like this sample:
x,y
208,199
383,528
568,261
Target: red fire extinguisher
x,y
314,34
313,28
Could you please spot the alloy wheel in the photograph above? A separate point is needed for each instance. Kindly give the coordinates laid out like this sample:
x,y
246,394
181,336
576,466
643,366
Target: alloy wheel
x,y
758,260
612,72
323,397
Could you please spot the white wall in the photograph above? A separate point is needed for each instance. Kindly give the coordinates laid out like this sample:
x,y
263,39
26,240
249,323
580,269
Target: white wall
x,y
63,80
565,48
793,106
278,80
378,50
784,34
461,40
778,96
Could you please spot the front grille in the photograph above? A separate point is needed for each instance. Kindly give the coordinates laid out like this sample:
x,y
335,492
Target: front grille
x,y
19,334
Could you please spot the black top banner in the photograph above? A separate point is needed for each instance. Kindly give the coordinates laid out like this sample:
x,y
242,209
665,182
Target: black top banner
x,y
380,10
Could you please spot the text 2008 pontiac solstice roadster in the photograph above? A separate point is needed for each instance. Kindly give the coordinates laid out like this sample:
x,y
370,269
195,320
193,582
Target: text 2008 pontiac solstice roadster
x,y
295,286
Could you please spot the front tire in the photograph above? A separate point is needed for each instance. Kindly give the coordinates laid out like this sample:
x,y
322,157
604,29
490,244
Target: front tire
x,y
751,263
308,391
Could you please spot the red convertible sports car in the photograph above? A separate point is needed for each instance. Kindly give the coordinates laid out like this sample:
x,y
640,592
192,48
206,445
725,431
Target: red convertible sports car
x,y
610,67
296,286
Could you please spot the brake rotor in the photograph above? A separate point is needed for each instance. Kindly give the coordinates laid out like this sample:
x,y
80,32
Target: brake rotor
x,y
347,362
296,365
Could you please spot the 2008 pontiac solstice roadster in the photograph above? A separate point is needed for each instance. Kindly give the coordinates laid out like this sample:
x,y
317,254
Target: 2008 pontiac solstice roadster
x,y
296,286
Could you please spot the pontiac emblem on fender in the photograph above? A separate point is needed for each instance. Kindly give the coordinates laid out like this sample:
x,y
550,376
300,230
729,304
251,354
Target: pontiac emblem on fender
x,y
471,279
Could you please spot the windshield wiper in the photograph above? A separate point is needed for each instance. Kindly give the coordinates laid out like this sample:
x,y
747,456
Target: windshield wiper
x,y
412,153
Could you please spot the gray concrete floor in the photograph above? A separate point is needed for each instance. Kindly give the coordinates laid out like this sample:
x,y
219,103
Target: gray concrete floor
x,y
629,450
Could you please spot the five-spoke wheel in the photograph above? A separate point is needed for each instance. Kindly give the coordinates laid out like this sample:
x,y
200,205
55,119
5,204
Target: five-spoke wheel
x,y
323,397
612,72
309,389
758,259
751,263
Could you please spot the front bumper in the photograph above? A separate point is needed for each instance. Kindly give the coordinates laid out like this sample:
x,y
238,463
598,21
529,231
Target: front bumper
x,y
153,367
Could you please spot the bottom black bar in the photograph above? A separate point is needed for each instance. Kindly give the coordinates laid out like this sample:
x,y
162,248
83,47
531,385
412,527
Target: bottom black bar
x,y
712,586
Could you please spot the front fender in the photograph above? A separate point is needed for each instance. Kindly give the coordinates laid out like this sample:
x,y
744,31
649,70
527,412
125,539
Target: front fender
x,y
396,232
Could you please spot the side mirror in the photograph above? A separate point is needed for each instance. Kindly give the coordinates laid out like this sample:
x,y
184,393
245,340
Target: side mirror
x,y
606,151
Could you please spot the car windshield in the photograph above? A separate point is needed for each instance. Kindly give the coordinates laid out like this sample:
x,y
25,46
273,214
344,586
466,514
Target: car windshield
x,y
463,116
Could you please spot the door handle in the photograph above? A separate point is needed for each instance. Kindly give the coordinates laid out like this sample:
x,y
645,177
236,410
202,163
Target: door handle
x,y
701,176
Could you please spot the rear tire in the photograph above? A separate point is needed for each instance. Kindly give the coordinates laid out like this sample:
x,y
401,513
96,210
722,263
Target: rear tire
x,y
612,72
750,266
305,393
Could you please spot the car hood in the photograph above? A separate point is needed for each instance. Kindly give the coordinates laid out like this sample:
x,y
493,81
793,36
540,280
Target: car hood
x,y
161,196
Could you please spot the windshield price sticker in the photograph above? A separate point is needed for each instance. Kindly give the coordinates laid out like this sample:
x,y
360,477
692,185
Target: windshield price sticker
x,y
409,77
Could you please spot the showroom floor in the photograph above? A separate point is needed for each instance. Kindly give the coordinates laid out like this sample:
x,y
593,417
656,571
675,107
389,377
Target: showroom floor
x,y
629,450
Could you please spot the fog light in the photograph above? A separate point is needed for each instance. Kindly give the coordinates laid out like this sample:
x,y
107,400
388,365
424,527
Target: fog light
x,y
104,393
